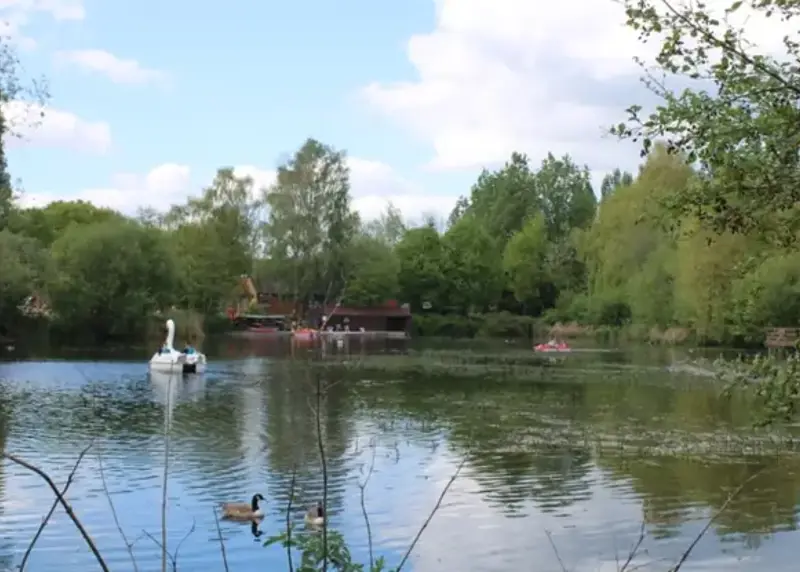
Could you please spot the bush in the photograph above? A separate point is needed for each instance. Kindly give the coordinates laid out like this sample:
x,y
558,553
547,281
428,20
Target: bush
x,y
492,325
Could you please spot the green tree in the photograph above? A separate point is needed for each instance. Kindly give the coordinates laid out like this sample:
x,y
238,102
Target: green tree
x,y
473,269
310,223
25,271
422,261
524,259
743,131
388,228
111,278
46,224
565,195
613,181
503,200
373,274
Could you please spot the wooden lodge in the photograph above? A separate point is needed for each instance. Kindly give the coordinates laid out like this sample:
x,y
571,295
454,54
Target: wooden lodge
x,y
268,301
389,317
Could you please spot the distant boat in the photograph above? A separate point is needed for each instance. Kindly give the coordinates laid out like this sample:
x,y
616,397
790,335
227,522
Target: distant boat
x,y
552,347
259,325
169,360
305,334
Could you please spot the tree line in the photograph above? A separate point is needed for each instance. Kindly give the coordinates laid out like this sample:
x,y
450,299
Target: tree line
x,y
702,238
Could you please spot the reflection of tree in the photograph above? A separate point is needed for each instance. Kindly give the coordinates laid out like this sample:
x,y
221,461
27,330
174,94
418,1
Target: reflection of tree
x,y
291,432
507,432
671,486
6,407
538,441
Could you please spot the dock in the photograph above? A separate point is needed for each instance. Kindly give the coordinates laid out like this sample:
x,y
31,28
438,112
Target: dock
x,y
782,337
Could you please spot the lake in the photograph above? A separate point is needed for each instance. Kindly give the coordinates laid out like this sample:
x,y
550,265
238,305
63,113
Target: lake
x,y
566,467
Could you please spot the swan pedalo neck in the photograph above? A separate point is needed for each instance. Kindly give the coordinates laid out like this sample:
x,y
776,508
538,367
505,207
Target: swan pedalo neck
x,y
169,360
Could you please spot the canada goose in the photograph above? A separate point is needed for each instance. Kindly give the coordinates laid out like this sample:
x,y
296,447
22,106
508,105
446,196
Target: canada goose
x,y
316,515
243,510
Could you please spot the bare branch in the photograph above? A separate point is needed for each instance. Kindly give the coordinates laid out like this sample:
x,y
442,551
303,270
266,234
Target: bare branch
x,y
363,487
289,519
53,507
324,463
165,479
555,550
717,514
173,558
221,541
730,48
128,544
635,549
63,503
430,516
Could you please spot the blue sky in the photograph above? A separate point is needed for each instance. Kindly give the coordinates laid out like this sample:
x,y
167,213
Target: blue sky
x,y
149,98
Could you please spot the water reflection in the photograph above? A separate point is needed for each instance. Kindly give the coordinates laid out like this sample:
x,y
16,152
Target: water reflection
x,y
587,454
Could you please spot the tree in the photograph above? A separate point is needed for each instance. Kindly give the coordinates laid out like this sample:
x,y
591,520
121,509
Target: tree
x,y
524,259
739,119
25,271
310,223
460,208
24,97
564,195
389,227
373,274
422,260
111,278
473,269
613,181
48,223
503,200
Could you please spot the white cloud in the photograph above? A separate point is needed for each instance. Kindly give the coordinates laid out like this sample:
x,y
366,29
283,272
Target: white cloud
x,y
161,187
496,76
16,14
374,184
46,126
118,70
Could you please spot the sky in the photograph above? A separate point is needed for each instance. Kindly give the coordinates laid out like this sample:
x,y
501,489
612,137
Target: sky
x,y
149,98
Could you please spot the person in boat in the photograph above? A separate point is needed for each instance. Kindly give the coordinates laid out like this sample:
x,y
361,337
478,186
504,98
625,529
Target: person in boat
x,y
189,348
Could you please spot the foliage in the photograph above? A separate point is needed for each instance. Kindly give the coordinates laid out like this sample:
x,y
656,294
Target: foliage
x,y
312,551
373,278
524,257
737,118
25,270
774,382
112,276
310,222
422,262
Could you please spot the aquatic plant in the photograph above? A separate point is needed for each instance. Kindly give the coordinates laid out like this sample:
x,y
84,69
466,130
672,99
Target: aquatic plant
x,y
447,363
775,382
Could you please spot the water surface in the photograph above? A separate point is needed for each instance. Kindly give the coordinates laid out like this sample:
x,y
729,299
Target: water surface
x,y
566,466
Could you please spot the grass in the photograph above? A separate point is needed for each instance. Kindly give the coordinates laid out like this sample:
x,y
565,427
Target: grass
x,y
523,364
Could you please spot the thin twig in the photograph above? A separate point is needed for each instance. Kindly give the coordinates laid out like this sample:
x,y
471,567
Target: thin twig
x,y
289,520
53,507
555,550
324,463
221,541
363,487
165,479
635,549
128,545
716,515
63,503
430,516
173,558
